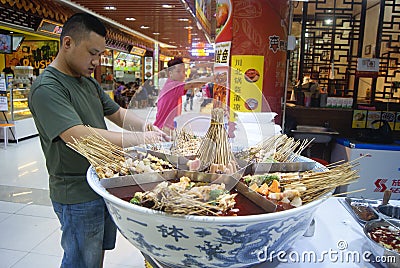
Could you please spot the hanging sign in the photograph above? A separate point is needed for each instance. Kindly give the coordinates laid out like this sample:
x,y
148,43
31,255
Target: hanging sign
x,y
3,87
48,26
138,51
367,65
223,53
246,83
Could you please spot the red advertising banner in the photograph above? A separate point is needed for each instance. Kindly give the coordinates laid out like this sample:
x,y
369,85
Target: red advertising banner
x,y
259,28
224,17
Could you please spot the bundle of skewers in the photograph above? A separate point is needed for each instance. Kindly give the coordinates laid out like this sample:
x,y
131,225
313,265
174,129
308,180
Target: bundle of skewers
x,y
215,151
110,160
297,188
338,174
278,148
186,143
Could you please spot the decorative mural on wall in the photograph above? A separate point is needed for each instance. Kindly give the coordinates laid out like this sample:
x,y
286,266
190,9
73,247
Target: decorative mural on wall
x,y
38,54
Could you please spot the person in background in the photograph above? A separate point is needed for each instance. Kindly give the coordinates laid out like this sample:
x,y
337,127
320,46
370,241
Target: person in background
x,y
170,97
190,92
119,86
151,92
162,78
142,96
151,89
169,103
63,100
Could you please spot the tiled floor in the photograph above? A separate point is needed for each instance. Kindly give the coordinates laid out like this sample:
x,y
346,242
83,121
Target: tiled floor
x,y
29,230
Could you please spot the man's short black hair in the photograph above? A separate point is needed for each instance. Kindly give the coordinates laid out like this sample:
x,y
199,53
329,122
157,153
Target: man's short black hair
x,y
80,25
175,61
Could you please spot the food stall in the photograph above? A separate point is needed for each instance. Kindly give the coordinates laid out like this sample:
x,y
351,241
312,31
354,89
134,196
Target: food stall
x,y
259,230
127,67
107,71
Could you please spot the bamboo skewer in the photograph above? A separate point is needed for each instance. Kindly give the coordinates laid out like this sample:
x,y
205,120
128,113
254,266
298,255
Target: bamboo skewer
x,y
214,147
281,147
318,184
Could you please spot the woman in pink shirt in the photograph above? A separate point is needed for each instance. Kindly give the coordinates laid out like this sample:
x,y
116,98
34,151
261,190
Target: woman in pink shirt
x,y
169,104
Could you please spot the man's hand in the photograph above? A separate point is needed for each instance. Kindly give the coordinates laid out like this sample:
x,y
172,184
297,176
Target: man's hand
x,y
151,127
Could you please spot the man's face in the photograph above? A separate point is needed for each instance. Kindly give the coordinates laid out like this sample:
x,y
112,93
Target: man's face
x,y
84,56
178,72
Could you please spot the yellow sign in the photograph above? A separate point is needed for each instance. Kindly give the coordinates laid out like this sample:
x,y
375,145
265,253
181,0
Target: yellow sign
x,y
138,51
246,83
359,119
165,58
397,125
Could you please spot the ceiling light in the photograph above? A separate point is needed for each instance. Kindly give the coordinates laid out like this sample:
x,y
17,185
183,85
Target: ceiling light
x,y
188,27
182,19
194,33
144,27
168,6
110,8
328,21
156,33
130,19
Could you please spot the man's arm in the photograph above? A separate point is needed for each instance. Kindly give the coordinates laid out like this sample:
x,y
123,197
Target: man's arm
x,y
198,82
139,134
135,122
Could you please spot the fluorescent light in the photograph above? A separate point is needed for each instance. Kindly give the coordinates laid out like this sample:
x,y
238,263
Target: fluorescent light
x,y
27,165
156,33
21,193
188,27
110,8
144,27
168,6
130,19
182,19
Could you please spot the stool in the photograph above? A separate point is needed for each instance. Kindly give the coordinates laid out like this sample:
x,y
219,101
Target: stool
x,y
5,128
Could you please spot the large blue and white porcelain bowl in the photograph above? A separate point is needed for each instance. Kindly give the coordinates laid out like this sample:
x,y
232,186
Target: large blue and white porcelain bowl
x,y
203,241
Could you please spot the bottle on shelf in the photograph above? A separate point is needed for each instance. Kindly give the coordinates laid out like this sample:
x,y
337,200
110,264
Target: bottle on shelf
x,y
368,94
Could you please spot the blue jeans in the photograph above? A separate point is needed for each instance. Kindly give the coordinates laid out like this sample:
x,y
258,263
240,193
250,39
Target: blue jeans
x,y
87,230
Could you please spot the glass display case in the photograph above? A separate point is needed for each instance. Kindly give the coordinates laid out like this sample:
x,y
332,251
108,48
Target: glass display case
x,y
19,114
18,104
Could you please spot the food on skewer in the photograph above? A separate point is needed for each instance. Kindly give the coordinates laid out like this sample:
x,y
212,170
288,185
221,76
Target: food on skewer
x,y
297,188
110,160
278,148
186,144
187,197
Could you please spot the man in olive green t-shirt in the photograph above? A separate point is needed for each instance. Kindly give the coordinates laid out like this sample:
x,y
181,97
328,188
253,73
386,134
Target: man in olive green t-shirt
x,y
63,100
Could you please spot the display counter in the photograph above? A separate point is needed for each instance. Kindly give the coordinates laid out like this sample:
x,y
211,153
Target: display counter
x,y
339,119
379,167
19,114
